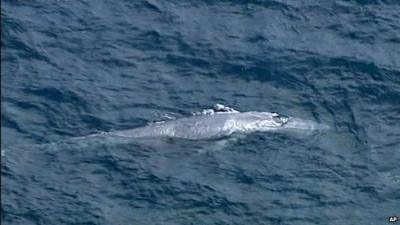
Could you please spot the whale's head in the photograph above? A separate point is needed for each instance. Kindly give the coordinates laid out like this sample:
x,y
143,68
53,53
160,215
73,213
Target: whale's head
x,y
259,121
266,121
272,120
304,126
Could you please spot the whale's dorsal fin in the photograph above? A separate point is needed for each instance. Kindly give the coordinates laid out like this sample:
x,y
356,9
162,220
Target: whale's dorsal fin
x,y
219,108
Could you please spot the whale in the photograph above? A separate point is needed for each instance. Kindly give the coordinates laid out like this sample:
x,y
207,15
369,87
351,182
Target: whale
x,y
216,123
222,121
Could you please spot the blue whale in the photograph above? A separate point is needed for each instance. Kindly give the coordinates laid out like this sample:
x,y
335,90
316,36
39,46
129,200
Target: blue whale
x,y
220,122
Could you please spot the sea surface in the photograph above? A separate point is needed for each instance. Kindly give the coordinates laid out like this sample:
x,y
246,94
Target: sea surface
x,y
73,68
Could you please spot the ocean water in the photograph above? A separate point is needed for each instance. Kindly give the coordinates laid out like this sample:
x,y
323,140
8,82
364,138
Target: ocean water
x,y
75,68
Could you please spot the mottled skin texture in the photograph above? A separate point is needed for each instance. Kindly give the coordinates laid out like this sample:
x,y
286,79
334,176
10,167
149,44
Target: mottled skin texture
x,y
218,125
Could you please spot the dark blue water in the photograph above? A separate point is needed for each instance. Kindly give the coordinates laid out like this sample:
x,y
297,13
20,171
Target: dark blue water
x,y
74,68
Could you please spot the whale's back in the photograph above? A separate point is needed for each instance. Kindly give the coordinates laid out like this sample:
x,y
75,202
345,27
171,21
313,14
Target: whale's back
x,y
196,127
